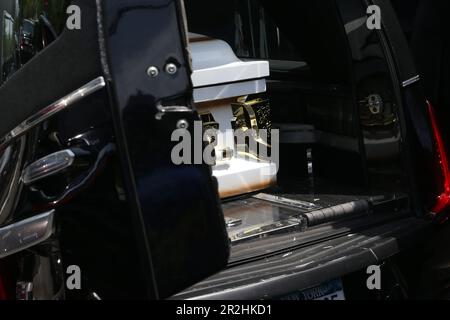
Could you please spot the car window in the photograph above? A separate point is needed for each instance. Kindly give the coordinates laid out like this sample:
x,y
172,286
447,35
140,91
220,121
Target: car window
x,y
245,25
26,28
8,45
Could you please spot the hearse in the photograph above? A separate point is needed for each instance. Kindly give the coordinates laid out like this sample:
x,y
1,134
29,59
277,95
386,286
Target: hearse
x,y
93,205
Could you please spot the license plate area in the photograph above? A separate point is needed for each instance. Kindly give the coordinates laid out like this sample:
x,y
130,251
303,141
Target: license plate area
x,y
329,291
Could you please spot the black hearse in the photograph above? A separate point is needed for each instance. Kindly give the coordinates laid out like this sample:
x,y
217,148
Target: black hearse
x,y
92,205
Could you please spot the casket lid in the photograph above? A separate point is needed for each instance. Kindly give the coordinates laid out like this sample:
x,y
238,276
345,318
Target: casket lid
x,y
214,62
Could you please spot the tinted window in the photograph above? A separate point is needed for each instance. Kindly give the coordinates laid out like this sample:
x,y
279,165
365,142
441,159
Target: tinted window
x,y
245,25
26,28
8,45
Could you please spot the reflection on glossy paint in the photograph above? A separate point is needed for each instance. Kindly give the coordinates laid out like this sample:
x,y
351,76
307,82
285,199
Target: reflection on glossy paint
x,y
26,28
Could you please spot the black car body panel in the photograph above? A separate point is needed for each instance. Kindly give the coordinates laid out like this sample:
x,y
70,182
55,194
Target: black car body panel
x,y
171,199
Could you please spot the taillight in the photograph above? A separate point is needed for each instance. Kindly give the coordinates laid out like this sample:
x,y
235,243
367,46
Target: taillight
x,y
443,201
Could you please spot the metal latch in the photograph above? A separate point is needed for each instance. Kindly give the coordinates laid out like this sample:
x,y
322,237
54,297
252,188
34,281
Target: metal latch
x,y
170,109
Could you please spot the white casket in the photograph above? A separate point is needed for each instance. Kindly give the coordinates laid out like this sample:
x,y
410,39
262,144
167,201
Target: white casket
x,y
222,81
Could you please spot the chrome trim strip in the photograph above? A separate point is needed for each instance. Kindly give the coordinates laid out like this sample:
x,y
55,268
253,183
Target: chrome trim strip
x,y
411,81
56,107
10,194
302,205
25,234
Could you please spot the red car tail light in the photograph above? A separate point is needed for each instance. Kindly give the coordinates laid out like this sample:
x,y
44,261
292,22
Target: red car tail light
x,y
443,200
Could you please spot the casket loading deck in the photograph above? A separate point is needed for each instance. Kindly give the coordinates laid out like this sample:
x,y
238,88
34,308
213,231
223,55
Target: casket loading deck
x,y
231,94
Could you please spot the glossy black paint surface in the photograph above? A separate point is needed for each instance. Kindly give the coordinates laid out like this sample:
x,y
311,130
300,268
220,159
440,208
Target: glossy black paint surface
x,y
425,178
102,218
380,126
26,28
178,205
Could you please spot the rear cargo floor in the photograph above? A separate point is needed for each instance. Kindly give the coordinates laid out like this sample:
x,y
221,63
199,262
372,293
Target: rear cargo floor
x,y
267,213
